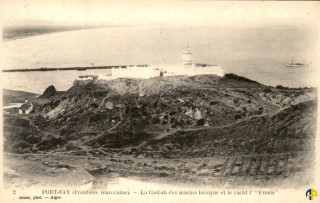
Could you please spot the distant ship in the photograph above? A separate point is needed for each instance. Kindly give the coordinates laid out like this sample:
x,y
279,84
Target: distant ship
x,y
295,64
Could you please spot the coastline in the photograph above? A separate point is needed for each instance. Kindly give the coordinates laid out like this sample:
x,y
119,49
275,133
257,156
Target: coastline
x,y
11,97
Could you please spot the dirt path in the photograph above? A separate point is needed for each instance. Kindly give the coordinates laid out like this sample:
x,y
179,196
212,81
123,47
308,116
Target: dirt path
x,y
99,135
173,131
64,155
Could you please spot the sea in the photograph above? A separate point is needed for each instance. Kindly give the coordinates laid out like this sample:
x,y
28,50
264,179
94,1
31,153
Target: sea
x,y
258,53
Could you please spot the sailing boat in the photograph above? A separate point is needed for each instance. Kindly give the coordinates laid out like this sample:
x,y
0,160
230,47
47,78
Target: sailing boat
x,y
295,64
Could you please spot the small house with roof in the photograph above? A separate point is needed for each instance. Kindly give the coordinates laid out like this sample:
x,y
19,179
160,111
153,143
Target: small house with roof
x,y
26,108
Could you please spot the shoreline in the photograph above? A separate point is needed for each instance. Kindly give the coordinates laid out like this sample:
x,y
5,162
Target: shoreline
x,y
17,96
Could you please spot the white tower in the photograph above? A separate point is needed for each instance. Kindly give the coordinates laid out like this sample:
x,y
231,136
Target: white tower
x,y
187,57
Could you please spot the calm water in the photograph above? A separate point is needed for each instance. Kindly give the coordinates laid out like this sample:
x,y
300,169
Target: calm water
x,y
257,53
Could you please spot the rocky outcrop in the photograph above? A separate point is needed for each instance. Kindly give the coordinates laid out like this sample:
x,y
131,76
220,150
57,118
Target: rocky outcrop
x,y
170,102
49,92
251,128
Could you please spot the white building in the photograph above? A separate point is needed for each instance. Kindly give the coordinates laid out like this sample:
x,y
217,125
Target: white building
x,y
135,72
188,68
187,57
26,108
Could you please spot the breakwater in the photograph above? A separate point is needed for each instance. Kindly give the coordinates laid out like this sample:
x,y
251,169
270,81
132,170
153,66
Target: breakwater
x,y
71,68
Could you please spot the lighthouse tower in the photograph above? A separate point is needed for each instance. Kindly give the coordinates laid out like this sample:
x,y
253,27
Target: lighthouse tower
x,y
187,57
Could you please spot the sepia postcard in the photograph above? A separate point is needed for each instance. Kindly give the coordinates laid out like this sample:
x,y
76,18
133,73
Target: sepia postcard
x,y
159,101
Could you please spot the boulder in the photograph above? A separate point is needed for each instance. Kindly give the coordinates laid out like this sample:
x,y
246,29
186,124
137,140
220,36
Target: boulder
x,y
198,114
109,105
49,92
189,113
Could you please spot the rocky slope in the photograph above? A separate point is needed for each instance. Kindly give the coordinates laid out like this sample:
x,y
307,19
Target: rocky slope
x,y
252,128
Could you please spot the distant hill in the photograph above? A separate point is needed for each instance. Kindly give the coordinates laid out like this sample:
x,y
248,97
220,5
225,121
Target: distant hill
x,y
18,32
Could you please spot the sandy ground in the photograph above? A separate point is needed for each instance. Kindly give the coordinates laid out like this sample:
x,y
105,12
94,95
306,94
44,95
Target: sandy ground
x,y
24,171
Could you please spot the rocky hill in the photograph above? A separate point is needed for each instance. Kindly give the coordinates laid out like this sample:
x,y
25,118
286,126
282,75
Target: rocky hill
x,y
253,128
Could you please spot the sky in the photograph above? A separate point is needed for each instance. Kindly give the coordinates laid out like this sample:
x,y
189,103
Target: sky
x,y
97,13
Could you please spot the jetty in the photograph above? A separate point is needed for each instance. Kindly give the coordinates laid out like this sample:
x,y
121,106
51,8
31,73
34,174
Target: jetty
x,y
71,68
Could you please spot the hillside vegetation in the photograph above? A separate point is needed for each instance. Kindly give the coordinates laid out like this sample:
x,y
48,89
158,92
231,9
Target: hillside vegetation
x,y
250,129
